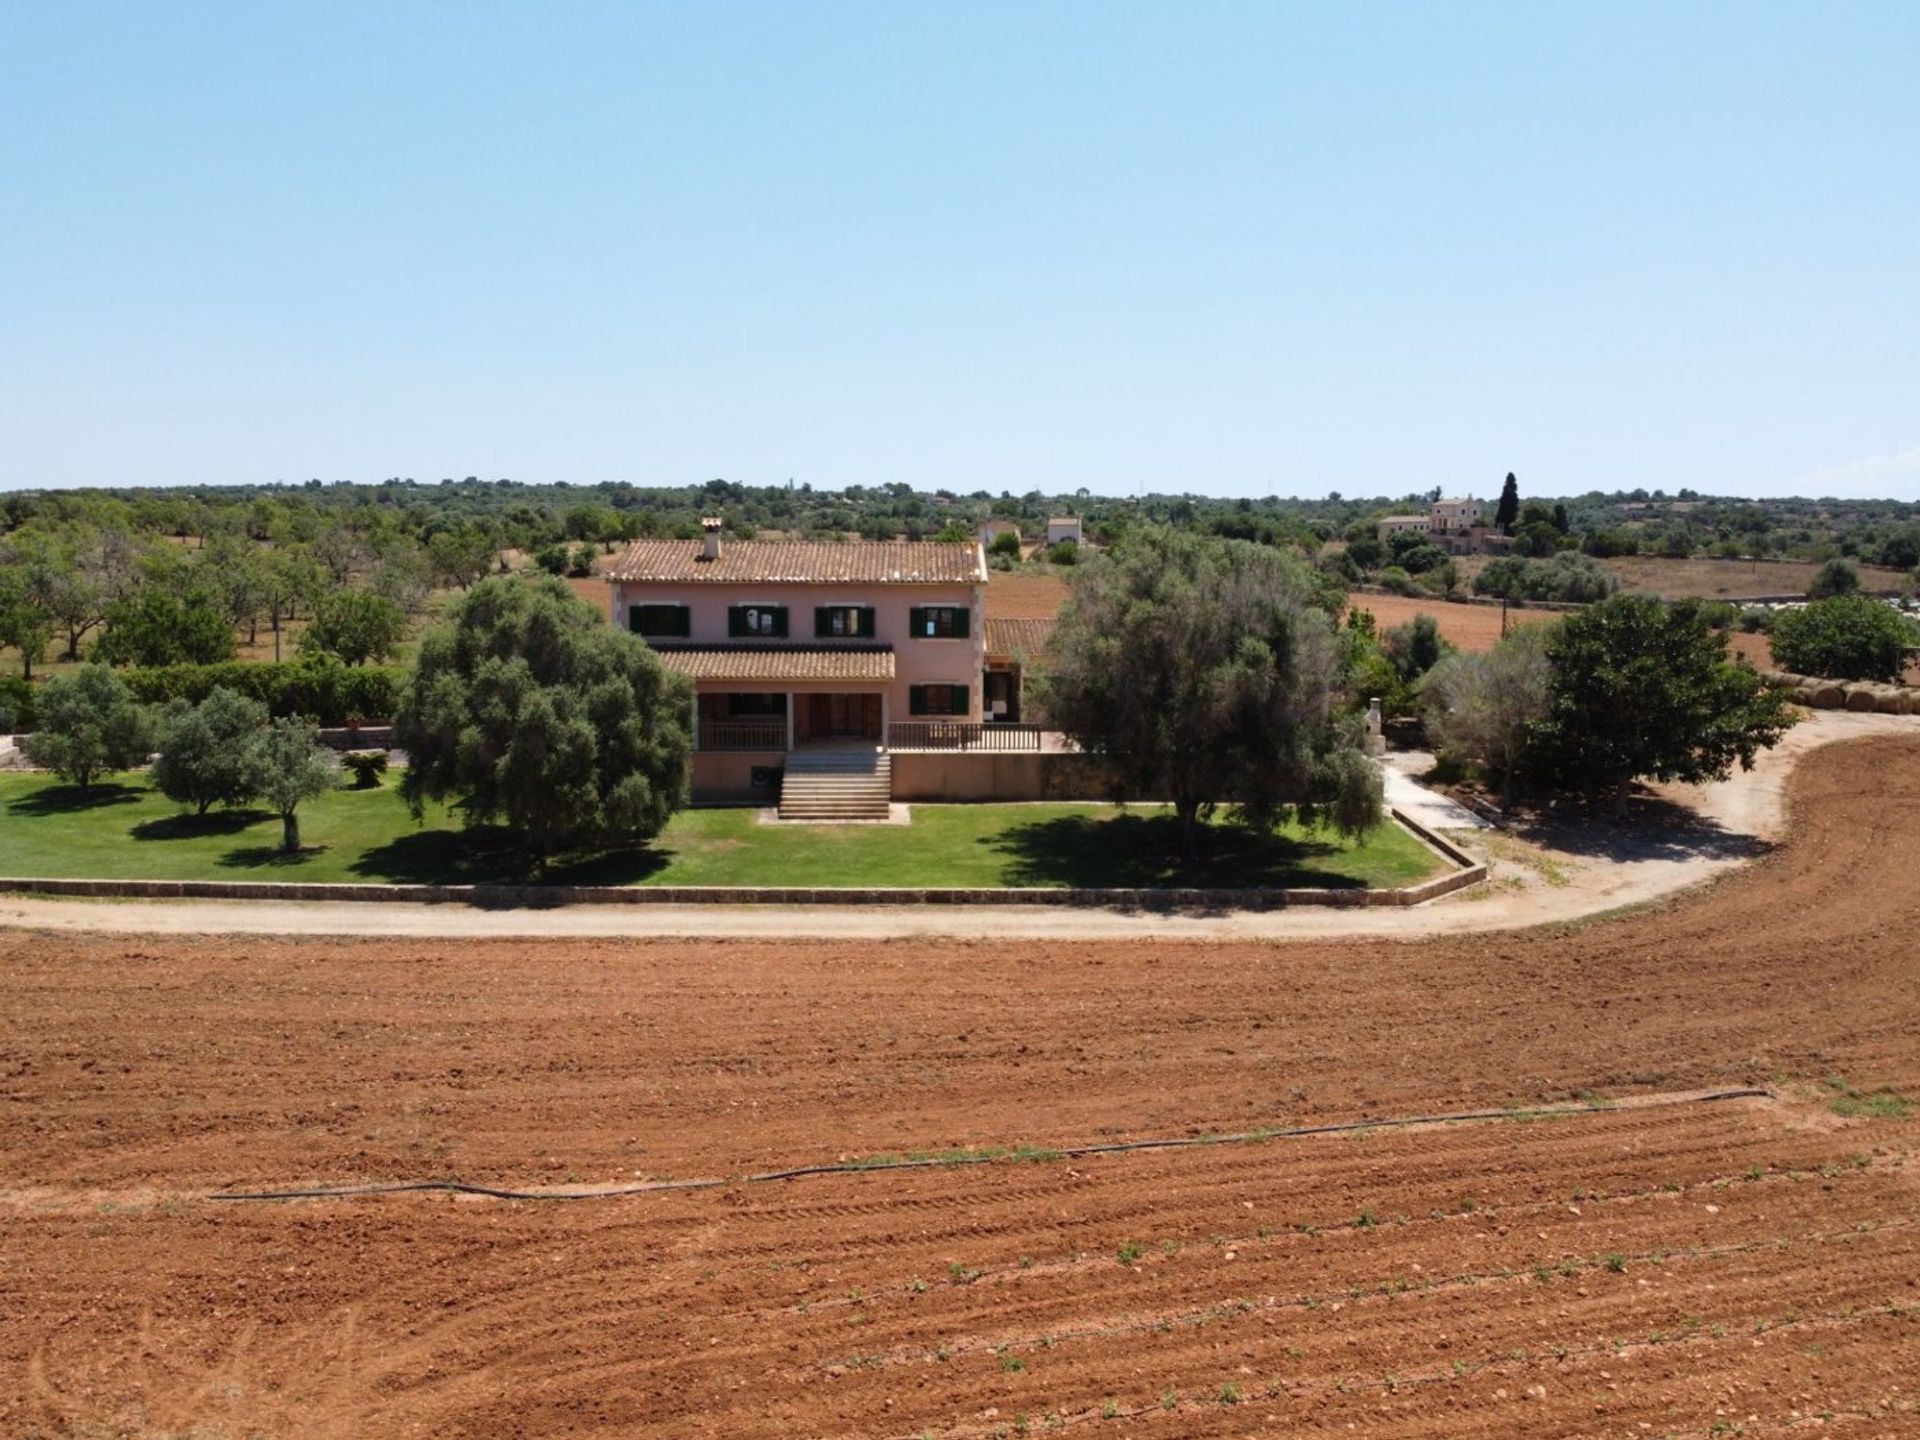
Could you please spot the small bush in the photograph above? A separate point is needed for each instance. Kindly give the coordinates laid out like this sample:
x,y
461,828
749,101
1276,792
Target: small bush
x,y
1839,576
16,705
1398,581
1568,577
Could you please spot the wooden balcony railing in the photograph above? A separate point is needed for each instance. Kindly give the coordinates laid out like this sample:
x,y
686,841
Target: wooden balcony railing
x,y
962,735
768,734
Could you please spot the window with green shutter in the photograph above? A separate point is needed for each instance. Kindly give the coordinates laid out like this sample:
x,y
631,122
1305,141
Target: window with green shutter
x,y
939,622
843,622
661,621
937,699
757,622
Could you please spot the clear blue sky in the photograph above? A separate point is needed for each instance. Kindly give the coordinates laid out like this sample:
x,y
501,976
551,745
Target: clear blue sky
x,y
1238,249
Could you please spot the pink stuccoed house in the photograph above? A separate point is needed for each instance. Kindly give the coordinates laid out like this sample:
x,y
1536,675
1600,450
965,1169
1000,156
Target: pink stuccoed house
x,y
820,667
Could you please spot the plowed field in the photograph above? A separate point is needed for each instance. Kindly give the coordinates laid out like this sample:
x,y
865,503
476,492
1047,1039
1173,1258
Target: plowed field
x,y
1654,1266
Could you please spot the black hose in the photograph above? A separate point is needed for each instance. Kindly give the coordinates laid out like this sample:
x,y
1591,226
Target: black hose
x,y
930,1162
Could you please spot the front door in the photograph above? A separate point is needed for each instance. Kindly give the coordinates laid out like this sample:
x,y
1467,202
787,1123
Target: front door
x,y
843,717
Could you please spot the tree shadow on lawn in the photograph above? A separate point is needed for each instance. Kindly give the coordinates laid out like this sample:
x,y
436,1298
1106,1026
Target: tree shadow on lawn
x,y
255,857
68,799
1143,852
490,855
188,826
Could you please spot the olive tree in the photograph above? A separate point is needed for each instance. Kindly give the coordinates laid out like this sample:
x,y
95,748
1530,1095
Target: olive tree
x,y
1480,706
1847,637
213,752
527,708
1203,672
294,767
88,722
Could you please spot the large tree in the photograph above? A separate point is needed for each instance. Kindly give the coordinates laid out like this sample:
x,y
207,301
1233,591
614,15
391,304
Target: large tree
x,y
528,709
1642,688
1203,672
88,722
1508,510
1847,637
356,625
213,752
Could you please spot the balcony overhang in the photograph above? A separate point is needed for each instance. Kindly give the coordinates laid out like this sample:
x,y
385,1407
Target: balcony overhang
x,y
780,664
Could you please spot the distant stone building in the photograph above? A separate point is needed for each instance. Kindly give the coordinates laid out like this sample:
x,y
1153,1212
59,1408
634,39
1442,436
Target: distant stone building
x,y
1457,526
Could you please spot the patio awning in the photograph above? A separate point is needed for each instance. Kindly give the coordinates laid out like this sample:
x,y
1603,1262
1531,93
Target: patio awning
x,y
776,663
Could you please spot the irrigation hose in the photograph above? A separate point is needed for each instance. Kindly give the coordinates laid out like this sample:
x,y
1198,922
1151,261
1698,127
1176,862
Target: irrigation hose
x,y
1066,1152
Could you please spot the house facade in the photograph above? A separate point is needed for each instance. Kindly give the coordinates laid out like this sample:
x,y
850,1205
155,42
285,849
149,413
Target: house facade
x,y
1458,526
797,646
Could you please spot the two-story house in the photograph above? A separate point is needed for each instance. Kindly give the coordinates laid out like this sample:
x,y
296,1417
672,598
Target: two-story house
x,y
795,645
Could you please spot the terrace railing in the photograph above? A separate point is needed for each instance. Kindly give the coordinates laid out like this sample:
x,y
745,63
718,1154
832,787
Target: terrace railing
x,y
768,734
968,735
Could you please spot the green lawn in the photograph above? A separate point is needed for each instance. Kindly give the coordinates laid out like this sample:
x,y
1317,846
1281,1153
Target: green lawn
x,y
125,829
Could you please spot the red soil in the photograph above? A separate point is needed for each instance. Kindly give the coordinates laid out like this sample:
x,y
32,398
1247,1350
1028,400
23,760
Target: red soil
x,y
1768,1248
1471,627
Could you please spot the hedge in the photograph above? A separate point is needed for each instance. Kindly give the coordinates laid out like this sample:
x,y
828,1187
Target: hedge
x,y
327,692
16,705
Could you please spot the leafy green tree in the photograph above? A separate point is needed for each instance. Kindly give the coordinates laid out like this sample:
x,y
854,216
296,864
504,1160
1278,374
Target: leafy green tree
x,y
23,623
211,753
460,556
1006,545
1415,647
1507,511
1481,706
294,767
1202,672
552,559
1839,576
1846,637
528,709
357,626
161,626
1643,688
88,722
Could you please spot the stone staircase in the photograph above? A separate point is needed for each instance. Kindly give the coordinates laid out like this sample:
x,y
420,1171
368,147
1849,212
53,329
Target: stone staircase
x,y
829,787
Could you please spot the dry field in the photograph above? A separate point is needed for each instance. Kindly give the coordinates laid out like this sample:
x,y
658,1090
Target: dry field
x,y
1733,579
1745,1266
1471,627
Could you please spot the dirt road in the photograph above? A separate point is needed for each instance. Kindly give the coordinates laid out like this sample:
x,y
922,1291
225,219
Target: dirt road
x,y
1673,1269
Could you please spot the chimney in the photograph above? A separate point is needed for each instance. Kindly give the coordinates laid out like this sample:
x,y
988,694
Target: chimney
x,y
710,549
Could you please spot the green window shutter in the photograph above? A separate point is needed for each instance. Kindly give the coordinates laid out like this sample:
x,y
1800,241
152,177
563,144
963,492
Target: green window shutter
x,y
780,622
865,614
822,626
736,620
916,699
685,627
917,620
963,618
962,700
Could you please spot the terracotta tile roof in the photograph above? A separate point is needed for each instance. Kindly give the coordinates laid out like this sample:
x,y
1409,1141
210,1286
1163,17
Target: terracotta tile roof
x,y
852,562
779,662
1018,595
1017,637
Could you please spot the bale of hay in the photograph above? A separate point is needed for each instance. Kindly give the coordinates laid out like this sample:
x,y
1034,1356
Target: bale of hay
x,y
1827,696
1860,698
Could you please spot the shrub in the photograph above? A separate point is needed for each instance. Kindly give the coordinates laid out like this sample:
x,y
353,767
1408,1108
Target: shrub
x,y
1756,620
317,686
552,559
1067,552
1421,558
1394,579
89,722
1415,647
1839,576
367,767
16,704
1006,544
1847,637
580,561
210,752
1480,706
1567,577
